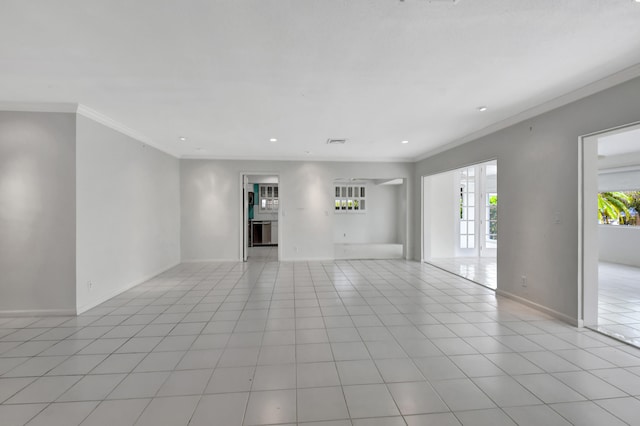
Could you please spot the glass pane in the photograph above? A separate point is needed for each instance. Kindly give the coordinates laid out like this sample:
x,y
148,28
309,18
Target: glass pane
x,y
471,242
465,213
337,191
463,227
337,204
471,186
471,213
343,193
362,203
275,191
465,196
344,204
362,192
350,192
472,200
471,227
263,204
269,191
275,204
463,241
263,191
350,205
471,171
356,204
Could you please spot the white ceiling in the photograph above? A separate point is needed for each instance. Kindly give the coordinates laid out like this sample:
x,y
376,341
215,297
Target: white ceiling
x,y
231,74
620,143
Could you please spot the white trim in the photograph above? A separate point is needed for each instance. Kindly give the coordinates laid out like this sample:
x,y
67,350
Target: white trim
x,y
98,117
559,315
122,289
38,313
67,107
239,259
308,159
560,101
634,168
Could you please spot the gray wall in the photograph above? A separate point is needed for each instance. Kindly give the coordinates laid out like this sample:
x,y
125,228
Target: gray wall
x,y
537,181
378,225
37,213
128,215
211,205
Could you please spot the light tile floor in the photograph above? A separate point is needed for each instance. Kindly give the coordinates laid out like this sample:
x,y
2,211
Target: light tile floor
x,y
618,292
481,270
619,301
357,343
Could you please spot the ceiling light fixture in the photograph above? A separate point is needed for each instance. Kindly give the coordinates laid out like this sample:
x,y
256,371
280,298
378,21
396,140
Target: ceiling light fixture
x,y
273,140
182,139
405,142
482,108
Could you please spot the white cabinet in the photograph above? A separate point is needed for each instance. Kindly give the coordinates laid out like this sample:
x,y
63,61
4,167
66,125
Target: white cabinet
x,y
268,198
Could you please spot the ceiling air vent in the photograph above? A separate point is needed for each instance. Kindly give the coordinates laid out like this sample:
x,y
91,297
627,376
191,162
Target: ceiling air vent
x,y
331,141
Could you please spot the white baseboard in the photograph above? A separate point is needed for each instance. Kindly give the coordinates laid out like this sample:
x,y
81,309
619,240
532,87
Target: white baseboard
x,y
209,260
122,289
38,313
534,305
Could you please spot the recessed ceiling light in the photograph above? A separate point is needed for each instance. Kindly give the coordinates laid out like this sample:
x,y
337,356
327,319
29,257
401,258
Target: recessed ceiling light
x,y
482,108
273,140
182,138
405,142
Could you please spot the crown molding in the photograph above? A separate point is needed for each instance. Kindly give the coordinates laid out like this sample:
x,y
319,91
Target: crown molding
x,y
560,101
307,158
98,117
65,107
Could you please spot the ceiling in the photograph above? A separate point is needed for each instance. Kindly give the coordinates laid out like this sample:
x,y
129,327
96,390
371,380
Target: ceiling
x,y
622,142
229,75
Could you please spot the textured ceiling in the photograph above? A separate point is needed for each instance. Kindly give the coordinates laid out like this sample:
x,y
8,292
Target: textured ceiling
x,y
231,74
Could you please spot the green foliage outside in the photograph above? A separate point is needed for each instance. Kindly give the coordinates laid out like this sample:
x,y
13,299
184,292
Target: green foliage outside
x,y
618,207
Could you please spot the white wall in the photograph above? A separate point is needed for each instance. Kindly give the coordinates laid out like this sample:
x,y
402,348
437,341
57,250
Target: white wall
x,y
628,180
538,181
128,212
440,213
37,213
378,224
619,244
211,212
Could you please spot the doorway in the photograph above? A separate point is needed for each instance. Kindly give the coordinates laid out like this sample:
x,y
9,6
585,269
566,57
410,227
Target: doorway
x,y
610,231
260,217
460,222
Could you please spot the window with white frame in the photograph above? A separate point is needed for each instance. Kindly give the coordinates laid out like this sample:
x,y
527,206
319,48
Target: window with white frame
x,y
269,198
350,198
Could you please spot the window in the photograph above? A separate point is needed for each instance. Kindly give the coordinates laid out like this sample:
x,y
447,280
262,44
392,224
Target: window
x,y
619,208
350,198
467,208
269,197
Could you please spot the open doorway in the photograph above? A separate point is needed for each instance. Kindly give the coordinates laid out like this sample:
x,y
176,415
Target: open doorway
x,y
460,222
261,224
611,232
370,218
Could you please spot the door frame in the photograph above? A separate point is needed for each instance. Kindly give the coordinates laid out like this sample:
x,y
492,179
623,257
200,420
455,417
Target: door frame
x,y
588,251
244,209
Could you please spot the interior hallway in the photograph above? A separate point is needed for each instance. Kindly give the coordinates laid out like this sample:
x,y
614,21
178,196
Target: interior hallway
x,y
347,342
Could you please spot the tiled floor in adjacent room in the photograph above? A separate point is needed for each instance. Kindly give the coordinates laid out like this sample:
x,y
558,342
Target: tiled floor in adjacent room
x,y
356,343
619,301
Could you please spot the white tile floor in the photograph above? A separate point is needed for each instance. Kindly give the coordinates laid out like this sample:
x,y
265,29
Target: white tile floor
x,y
619,301
481,270
357,343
